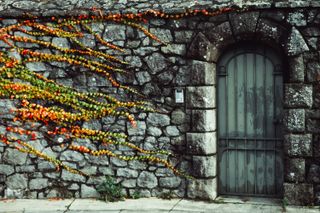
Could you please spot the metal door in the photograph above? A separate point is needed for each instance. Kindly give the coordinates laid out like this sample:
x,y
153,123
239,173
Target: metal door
x,y
250,92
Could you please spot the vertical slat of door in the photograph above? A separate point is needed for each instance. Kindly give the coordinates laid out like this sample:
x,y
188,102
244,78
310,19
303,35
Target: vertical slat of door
x,y
278,115
241,121
270,155
260,124
222,115
250,116
231,126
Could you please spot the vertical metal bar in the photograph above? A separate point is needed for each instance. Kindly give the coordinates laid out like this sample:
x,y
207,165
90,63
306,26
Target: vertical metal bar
x,y
264,118
235,69
275,131
227,130
245,122
255,120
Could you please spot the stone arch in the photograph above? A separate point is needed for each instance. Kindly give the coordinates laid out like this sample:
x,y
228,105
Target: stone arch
x,y
204,51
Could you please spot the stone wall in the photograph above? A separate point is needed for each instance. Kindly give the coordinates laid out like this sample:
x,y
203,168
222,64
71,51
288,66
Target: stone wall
x,y
188,129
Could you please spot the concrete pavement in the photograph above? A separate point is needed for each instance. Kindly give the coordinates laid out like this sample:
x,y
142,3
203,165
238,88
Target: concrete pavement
x,y
153,205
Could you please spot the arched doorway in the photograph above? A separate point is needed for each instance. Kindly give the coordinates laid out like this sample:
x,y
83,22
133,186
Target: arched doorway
x,y
250,94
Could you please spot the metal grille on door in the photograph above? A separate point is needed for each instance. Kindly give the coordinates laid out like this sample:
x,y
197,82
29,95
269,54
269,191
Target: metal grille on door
x,y
250,92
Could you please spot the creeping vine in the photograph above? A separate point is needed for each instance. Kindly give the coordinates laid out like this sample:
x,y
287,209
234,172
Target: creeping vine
x,y
60,108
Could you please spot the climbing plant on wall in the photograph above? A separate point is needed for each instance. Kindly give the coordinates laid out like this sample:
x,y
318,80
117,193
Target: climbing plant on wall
x,y
60,108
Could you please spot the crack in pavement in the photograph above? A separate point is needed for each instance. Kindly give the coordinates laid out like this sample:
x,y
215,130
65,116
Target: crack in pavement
x,y
175,205
68,206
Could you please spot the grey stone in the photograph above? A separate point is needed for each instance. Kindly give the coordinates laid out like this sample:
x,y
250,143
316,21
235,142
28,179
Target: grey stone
x,y
200,97
202,73
163,34
297,69
39,183
165,78
106,170
298,95
29,168
139,130
88,191
296,43
156,62
17,181
147,180
13,156
129,183
169,182
295,170
36,66
298,194
295,120
204,166
154,131
98,160
134,61
14,193
25,44
6,169
313,71
200,48
314,173
174,49
127,173
114,32
205,189
183,36
72,156
67,176
159,120
297,19
74,186
298,145
61,42
143,77
118,162
203,120
172,131
178,117
244,23
143,51
92,124
201,143
151,89
90,170
88,40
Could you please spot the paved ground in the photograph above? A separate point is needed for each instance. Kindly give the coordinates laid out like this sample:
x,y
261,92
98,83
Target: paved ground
x,y
152,205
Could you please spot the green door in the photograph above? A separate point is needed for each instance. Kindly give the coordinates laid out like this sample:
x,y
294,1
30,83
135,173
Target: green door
x,y
250,93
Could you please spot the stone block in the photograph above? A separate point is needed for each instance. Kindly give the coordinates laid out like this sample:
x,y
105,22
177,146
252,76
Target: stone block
x,y
243,23
129,183
295,170
159,120
297,69
17,181
200,48
200,97
202,73
114,32
294,120
298,194
6,169
39,183
269,30
67,176
178,117
156,62
313,71
147,180
298,145
298,95
88,191
169,182
14,157
314,174
174,49
163,34
296,43
127,173
205,189
201,143
140,129
204,166
203,120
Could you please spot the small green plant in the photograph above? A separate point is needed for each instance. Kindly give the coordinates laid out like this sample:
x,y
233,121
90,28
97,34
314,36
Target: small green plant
x,y
135,195
166,195
110,191
284,204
